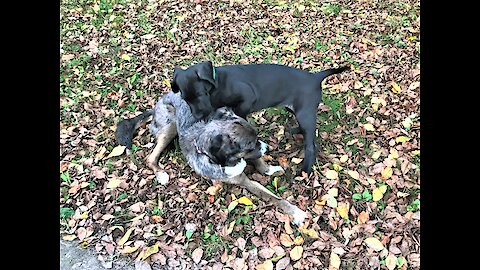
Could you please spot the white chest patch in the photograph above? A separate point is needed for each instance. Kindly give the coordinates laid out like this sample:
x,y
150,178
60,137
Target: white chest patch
x,y
263,147
236,170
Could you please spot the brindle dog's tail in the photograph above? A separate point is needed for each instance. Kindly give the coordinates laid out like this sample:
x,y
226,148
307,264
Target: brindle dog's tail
x,y
327,72
126,129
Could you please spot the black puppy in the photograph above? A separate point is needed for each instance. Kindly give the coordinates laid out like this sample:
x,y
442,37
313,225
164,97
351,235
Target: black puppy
x,y
250,88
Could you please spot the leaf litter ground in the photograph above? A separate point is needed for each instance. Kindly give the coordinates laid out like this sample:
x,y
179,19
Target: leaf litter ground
x,y
363,199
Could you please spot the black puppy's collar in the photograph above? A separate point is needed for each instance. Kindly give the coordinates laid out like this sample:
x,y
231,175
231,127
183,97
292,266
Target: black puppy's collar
x,y
213,72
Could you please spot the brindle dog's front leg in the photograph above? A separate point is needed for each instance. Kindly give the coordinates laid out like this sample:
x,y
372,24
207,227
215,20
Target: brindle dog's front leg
x,y
262,192
263,168
164,137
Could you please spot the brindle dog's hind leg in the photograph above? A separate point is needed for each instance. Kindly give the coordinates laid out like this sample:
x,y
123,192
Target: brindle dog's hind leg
x,y
256,188
164,137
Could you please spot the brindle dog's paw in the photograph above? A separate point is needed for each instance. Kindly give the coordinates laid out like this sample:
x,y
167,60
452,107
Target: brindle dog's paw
x,y
236,170
275,171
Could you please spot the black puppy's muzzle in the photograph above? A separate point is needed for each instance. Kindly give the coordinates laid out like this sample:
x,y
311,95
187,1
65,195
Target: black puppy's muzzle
x,y
202,109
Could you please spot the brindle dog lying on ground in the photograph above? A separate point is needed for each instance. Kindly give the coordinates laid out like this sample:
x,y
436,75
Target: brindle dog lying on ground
x,y
216,148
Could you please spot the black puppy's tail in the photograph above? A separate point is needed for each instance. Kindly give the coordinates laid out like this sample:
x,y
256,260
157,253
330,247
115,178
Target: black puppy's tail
x,y
127,128
327,72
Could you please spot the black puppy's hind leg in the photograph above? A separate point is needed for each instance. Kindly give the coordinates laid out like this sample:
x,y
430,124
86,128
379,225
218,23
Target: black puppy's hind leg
x,y
307,123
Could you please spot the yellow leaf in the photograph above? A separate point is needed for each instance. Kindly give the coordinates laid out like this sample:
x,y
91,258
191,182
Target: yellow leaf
x,y
377,193
331,174
401,139
337,167
394,153
369,127
298,240
342,209
334,261
70,237
297,160
117,151
374,243
150,250
386,173
129,250
84,215
125,57
354,175
362,217
296,253
310,232
376,155
232,205
113,183
286,240
244,200
396,88
167,83
415,152
333,192
125,237
266,265
391,261
343,158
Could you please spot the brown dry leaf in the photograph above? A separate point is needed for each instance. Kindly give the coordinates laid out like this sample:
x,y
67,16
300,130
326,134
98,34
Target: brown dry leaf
x,y
67,57
266,252
374,243
296,253
334,261
286,240
266,265
197,255
282,161
362,217
297,160
288,228
298,240
391,261
100,154
282,263
369,127
213,190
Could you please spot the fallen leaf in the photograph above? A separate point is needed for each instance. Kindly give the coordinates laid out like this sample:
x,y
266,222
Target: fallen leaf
x,y
69,237
282,263
386,173
298,240
266,265
100,153
354,174
391,261
333,192
296,253
141,265
396,88
148,36
331,201
331,174
297,160
128,250
310,232
117,151
369,127
213,190
377,193
113,183
393,153
401,139
376,154
125,237
67,57
334,261
232,205
362,217
374,243
266,252
244,200
343,158
149,251
342,209
286,240
197,255
125,57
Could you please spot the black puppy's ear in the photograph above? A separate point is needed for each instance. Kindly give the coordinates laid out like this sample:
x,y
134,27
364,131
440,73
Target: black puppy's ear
x,y
173,83
205,71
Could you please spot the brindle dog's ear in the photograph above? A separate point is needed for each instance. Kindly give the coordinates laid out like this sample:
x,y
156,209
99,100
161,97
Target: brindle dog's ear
x,y
216,151
173,83
205,72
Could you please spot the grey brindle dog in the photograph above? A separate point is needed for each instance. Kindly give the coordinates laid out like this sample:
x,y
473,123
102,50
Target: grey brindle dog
x,y
217,147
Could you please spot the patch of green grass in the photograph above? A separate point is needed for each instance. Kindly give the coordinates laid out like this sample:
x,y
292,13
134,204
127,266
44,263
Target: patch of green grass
x,y
414,206
65,176
212,244
330,9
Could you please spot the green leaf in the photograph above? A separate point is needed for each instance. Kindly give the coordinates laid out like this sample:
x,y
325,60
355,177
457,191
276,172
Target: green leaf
x,y
357,196
66,212
189,234
366,195
206,235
